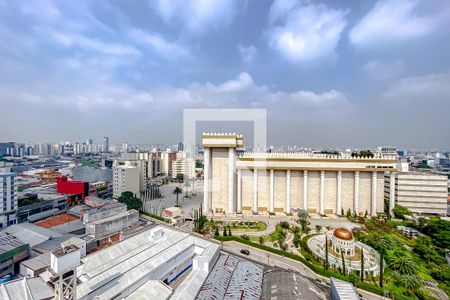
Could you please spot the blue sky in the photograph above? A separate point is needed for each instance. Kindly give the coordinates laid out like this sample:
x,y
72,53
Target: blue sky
x,y
330,73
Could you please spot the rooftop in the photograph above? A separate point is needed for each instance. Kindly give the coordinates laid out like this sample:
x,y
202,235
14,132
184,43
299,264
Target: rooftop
x,y
31,234
8,242
57,220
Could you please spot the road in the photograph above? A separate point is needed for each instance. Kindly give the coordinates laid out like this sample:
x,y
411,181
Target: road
x,y
283,262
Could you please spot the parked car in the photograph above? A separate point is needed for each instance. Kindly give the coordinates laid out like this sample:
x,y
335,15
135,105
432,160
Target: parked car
x,y
245,251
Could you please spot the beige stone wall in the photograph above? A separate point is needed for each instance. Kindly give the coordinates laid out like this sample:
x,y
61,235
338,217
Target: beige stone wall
x,y
247,190
380,192
348,181
365,192
330,192
219,179
279,191
313,191
296,189
263,191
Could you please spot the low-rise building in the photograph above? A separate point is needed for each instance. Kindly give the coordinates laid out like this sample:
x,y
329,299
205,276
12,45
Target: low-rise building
x,y
12,251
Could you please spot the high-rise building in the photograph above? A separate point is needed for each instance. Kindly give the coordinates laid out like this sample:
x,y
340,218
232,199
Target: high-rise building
x,y
105,144
183,165
124,147
8,199
126,178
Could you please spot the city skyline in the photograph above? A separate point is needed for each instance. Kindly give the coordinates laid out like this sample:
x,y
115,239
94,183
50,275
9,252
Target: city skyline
x,y
328,72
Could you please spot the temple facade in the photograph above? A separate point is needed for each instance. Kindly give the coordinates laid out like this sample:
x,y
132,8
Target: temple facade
x,y
281,183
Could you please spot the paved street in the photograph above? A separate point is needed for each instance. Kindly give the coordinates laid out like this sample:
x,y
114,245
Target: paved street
x,y
283,262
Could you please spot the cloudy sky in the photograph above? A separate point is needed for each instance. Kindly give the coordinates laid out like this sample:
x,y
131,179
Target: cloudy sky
x,y
329,73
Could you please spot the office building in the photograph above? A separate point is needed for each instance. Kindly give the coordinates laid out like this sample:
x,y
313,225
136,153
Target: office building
x,y
8,199
423,193
270,183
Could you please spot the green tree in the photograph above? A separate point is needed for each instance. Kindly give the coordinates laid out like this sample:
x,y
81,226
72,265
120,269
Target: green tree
x,y
224,231
318,228
229,230
354,279
362,264
438,230
401,211
177,191
180,177
261,240
297,240
303,217
130,200
326,252
343,262
404,264
216,233
410,282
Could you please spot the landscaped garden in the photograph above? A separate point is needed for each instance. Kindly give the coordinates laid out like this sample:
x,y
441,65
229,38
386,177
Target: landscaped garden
x,y
414,267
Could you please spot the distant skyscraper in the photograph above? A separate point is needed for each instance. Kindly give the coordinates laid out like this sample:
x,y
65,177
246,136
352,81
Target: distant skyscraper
x,y
106,144
124,147
180,146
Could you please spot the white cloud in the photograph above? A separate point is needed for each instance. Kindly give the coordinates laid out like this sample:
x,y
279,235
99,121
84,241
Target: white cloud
x,y
305,32
238,92
393,21
421,89
248,53
381,70
162,47
197,15
68,39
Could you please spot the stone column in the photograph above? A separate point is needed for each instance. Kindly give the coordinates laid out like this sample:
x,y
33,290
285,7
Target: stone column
x,y
255,190
322,191
339,193
305,189
271,203
392,193
206,179
288,191
239,190
356,192
231,180
373,206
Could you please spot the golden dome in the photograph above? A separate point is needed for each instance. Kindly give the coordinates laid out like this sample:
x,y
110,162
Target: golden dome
x,y
343,234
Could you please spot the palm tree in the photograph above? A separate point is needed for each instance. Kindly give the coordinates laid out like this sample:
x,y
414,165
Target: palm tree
x,y
177,191
404,264
410,282
303,217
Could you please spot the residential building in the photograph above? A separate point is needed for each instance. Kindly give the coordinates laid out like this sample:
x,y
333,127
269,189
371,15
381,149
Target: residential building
x,y
8,199
183,165
423,193
127,178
